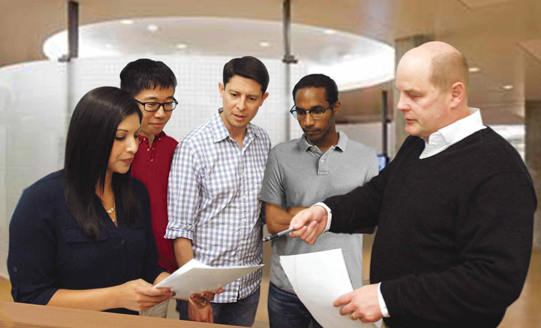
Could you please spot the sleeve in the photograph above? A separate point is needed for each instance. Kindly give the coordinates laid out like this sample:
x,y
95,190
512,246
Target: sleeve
x,y
151,268
32,249
272,189
183,192
494,231
360,208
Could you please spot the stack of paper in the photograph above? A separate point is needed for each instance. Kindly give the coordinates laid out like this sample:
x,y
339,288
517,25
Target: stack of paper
x,y
196,277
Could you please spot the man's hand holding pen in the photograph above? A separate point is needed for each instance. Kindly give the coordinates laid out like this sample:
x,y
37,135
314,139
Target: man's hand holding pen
x,y
309,224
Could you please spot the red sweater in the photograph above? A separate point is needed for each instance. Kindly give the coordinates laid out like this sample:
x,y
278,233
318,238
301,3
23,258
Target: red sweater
x,y
151,166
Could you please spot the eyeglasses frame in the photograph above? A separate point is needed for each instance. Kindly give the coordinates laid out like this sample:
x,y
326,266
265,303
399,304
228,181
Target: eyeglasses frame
x,y
162,105
295,113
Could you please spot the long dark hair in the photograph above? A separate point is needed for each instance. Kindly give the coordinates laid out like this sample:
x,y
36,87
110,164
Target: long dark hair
x,y
90,139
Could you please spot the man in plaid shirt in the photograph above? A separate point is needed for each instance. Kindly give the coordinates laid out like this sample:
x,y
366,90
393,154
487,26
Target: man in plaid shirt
x,y
213,195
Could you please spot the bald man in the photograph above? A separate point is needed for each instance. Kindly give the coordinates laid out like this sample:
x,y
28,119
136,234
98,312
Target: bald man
x,y
454,209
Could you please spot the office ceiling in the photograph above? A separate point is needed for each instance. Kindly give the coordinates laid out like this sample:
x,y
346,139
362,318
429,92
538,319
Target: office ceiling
x,y
500,37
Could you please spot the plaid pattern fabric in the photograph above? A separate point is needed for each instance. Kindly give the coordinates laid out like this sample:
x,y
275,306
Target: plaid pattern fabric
x,y
213,199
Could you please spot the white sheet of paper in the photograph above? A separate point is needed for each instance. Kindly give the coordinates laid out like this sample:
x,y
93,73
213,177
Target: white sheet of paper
x,y
318,280
196,277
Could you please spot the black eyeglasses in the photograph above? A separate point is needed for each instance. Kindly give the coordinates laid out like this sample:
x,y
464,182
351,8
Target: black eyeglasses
x,y
155,106
316,114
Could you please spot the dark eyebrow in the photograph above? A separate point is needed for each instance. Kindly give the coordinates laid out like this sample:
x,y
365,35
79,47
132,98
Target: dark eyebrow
x,y
121,130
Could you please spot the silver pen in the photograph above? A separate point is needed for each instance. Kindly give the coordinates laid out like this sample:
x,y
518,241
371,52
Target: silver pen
x,y
276,235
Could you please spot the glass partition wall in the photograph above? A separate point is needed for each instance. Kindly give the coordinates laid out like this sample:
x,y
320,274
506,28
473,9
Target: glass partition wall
x,y
36,101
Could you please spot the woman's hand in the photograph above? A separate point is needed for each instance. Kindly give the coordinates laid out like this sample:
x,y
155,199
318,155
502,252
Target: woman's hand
x,y
139,295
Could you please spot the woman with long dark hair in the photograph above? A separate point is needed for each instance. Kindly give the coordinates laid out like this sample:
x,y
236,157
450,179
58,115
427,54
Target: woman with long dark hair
x,y
82,237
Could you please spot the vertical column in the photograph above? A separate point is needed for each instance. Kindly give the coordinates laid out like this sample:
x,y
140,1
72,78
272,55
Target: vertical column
x,y
533,157
288,59
401,47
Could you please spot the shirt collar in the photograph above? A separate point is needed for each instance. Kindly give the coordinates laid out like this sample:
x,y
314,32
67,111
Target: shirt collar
x,y
453,133
156,137
220,131
342,143
160,135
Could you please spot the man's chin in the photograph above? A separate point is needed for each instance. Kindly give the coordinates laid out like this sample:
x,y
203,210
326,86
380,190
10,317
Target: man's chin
x,y
312,140
153,131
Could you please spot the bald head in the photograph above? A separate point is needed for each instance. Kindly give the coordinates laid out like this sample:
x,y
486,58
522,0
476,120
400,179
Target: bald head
x,y
432,80
446,65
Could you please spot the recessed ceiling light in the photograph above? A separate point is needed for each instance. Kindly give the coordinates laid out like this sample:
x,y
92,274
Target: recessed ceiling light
x,y
508,87
126,21
329,31
152,28
347,56
181,46
474,69
264,44
108,46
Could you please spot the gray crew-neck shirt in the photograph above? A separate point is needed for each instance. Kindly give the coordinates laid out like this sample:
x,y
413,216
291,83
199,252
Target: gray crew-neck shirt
x,y
299,174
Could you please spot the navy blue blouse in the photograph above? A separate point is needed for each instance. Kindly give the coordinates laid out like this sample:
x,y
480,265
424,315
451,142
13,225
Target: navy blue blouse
x,y
48,251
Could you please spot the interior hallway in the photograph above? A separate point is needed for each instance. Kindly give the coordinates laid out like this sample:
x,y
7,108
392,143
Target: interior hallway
x,y
524,313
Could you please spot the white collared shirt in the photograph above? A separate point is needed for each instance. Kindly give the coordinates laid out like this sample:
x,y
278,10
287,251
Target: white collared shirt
x,y
437,142
453,133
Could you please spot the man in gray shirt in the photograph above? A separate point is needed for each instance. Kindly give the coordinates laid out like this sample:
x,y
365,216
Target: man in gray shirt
x,y
301,172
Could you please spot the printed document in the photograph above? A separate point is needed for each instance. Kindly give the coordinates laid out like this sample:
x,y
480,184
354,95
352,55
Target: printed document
x,y
318,280
196,277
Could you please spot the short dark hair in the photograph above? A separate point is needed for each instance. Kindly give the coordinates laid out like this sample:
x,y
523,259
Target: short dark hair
x,y
248,67
91,135
319,81
144,74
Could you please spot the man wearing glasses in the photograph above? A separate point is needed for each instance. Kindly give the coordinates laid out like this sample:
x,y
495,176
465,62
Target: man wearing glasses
x,y
299,173
152,85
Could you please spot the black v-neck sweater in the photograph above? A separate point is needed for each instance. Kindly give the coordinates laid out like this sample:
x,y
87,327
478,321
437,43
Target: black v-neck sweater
x,y
454,231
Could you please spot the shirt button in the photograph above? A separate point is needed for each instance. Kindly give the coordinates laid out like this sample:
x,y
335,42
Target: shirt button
x,y
152,159
148,149
159,138
122,241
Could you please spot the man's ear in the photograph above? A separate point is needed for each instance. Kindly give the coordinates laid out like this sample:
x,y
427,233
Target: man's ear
x,y
263,98
336,108
222,89
458,94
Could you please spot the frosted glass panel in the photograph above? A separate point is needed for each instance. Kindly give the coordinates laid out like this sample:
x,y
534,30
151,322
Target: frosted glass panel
x,y
36,100
33,118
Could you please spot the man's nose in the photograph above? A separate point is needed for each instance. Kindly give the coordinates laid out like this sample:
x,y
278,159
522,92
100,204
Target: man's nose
x,y
401,106
308,119
160,112
241,104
